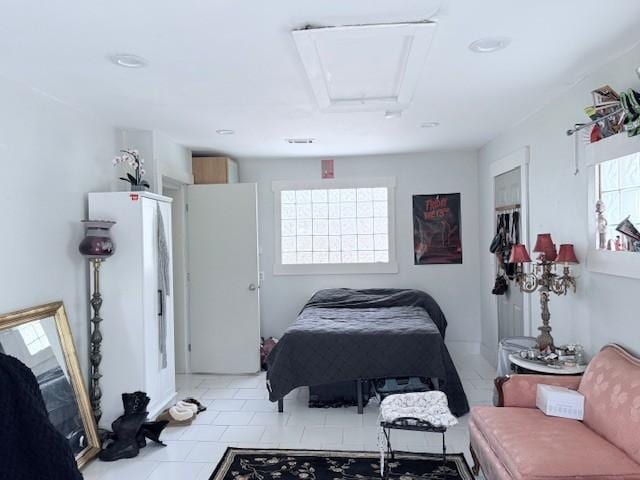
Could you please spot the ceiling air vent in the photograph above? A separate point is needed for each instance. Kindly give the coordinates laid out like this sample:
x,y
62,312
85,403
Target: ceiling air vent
x,y
300,141
364,67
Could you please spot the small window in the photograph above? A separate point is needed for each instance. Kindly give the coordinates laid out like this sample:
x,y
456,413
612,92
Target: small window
x,y
34,337
334,227
618,187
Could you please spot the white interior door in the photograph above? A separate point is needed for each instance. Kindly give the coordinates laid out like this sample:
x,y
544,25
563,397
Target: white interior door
x,y
224,278
508,192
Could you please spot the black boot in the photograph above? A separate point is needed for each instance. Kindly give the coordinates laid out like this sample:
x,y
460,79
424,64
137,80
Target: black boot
x,y
135,402
125,429
152,431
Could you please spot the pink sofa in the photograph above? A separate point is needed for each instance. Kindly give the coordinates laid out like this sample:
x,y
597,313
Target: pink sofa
x,y
518,441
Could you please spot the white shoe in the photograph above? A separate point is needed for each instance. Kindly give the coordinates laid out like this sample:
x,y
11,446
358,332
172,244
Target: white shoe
x,y
187,406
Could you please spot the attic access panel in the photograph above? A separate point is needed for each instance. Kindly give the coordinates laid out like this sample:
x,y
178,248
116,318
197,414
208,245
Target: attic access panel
x,y
364,67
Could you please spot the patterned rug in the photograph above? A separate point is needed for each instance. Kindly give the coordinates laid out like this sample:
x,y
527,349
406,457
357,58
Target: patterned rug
x,y
273,464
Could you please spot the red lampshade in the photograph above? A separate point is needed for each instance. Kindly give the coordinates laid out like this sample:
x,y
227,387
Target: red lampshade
x,y
544,245
551,254
567,254
519,254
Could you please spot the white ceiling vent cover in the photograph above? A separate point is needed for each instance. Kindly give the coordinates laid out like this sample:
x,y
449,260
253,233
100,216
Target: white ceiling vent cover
x,y
300,141
364,67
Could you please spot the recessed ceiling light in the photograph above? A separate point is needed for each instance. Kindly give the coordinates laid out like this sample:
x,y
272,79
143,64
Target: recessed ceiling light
x,y
489,44
128,60
392,114
429,124
224,131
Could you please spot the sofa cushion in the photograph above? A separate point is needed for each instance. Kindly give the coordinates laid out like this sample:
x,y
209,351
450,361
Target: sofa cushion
x,y
533,446
521,390
611,387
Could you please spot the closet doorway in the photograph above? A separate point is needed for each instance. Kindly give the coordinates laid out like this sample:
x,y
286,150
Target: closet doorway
x,y
176,191
508,200
510,185
224,278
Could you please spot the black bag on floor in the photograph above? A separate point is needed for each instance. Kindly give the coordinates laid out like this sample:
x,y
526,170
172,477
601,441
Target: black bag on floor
x,y
391,386
340,394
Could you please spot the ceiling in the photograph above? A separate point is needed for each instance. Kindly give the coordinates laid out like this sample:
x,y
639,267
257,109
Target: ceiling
x,y
234,65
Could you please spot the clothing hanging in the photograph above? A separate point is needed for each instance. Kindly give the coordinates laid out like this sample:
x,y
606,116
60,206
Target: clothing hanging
x,y
507,235
164,284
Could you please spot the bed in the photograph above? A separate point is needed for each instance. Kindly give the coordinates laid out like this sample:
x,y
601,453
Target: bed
x,y
356,335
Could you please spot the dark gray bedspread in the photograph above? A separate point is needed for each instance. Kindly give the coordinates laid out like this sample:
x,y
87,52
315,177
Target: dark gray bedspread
x,y
343,334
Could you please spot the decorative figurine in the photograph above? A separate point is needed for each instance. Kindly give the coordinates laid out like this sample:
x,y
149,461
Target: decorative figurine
x,y
619,246
601,225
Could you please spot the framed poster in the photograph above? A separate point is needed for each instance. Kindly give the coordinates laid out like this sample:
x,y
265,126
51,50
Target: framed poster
x,y
436,229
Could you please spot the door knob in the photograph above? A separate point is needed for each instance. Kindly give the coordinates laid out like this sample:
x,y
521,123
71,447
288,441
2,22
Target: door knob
x,y
252,286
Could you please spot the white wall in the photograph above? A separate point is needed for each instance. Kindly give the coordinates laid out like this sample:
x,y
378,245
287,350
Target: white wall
x,y
51,155
605,308
163,157
172,160
455,287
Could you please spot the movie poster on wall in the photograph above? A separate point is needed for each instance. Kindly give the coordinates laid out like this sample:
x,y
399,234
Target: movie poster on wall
x,y
436,229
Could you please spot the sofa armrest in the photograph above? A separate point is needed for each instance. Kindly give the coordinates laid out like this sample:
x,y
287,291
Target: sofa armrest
x,y
520,390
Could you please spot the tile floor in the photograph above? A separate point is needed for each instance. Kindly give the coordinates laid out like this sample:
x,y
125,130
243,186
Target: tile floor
x,y
239,414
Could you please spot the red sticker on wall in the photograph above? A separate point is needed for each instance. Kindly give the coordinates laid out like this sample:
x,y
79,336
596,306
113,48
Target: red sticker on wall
x,y
327,168
134,197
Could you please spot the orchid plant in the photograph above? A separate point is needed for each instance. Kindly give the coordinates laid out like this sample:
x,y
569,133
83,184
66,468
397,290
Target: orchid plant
x,y
130,159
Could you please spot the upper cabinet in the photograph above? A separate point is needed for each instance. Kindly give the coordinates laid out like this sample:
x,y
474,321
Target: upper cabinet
x,y
214,170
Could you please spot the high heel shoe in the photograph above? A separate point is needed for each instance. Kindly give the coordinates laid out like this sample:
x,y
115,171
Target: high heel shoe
x,y
152,431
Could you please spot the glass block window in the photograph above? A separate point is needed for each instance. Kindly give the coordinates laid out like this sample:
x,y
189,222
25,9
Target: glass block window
x,y
34,337
334,226
618,186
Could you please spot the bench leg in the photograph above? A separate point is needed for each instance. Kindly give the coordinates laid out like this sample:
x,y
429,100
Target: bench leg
x,y
444,449
359,394
476,465
389,454
280,405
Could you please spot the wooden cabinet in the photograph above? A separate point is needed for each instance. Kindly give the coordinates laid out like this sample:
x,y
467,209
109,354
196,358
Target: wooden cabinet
x,y
214,170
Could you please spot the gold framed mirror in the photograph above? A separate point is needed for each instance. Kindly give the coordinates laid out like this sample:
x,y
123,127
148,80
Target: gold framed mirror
x,y
40,338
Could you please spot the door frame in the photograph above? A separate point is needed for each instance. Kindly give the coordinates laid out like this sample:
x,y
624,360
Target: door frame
x,y
180,271
519,158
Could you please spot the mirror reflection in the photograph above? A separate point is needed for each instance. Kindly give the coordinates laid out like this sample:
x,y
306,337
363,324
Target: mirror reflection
x,y
37,345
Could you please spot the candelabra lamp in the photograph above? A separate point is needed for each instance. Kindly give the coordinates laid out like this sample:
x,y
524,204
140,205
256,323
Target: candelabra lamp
x,y
543,276
97,246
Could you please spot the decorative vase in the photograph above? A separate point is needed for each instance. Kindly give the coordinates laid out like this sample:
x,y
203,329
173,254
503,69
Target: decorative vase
x,y
97,243
137,188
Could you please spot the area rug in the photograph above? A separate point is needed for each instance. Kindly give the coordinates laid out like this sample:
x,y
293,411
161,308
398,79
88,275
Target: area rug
x,y
274,464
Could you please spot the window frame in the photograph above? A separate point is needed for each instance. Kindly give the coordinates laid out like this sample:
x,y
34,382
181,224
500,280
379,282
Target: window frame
x,y
619,190
623,264
334,268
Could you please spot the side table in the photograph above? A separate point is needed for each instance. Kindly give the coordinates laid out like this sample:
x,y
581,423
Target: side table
x,y
524,365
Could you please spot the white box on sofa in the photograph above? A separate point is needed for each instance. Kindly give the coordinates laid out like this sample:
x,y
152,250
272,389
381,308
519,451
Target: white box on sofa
x,y
560,402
